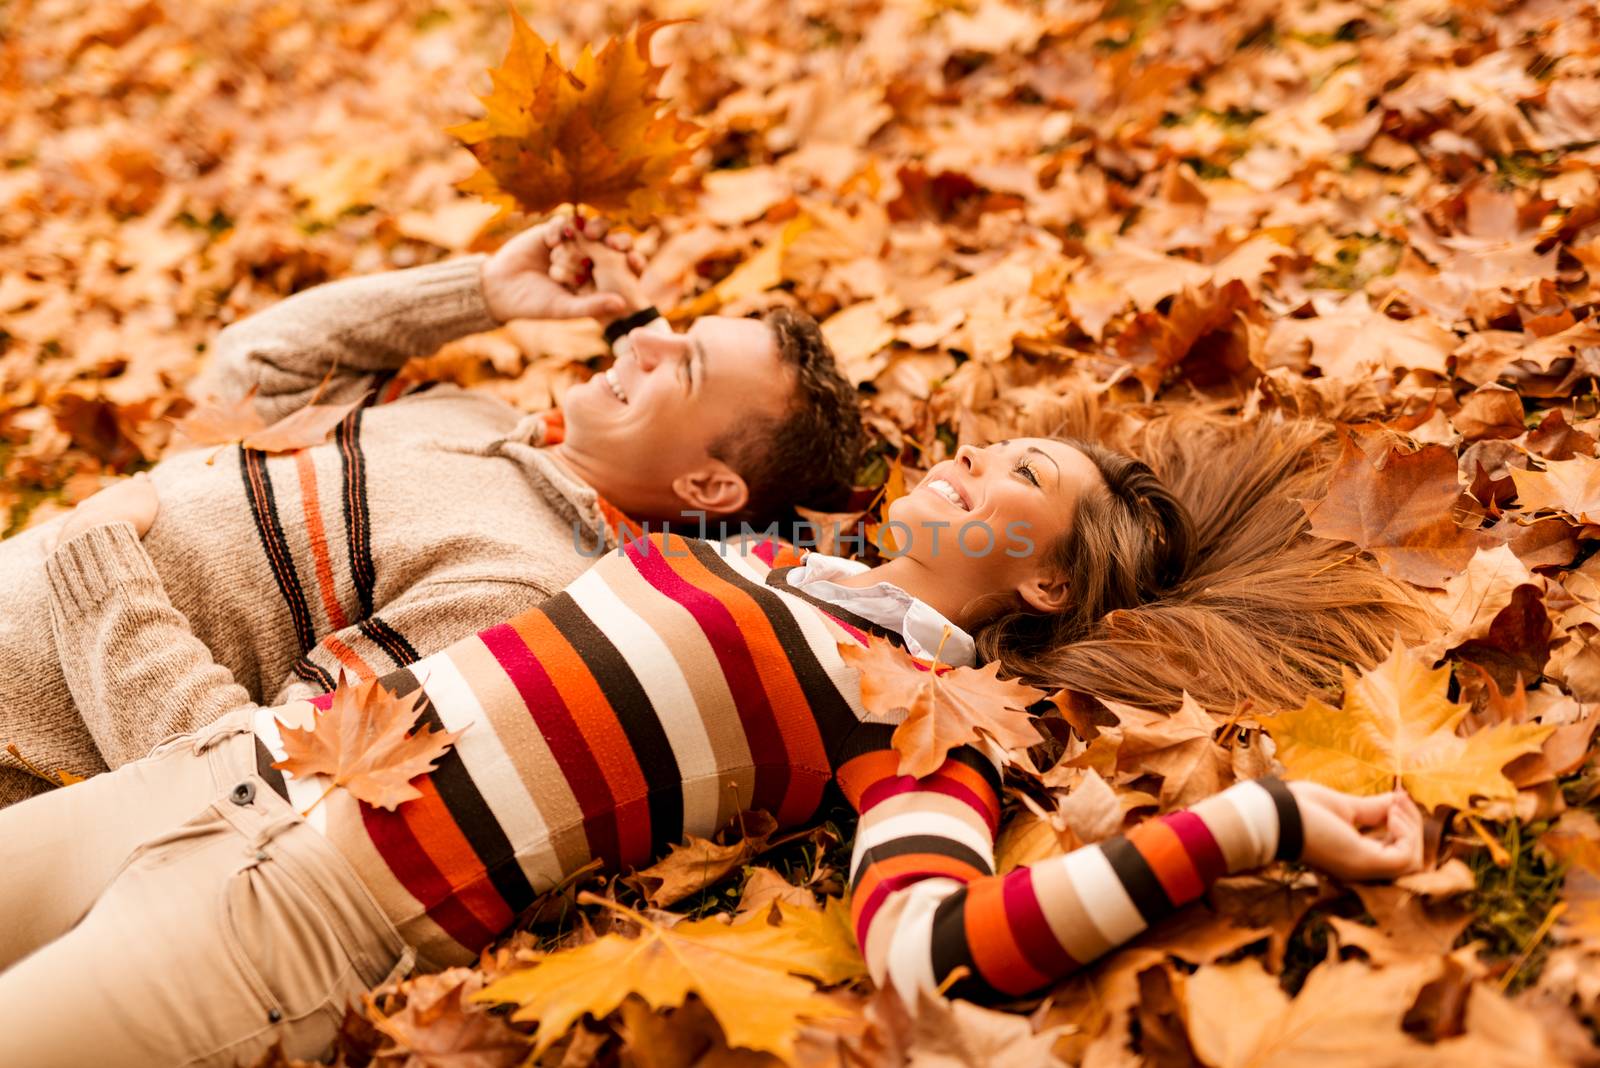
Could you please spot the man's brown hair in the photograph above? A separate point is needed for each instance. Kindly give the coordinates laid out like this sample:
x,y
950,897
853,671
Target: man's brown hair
x,y
808,455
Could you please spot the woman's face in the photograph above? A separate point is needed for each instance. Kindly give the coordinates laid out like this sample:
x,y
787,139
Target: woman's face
x,y
986,518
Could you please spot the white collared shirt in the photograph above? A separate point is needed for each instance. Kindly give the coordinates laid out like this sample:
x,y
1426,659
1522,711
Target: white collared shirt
x,y
919,623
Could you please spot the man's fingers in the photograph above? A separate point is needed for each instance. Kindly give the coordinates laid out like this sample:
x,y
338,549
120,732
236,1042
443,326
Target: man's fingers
x,y
619,241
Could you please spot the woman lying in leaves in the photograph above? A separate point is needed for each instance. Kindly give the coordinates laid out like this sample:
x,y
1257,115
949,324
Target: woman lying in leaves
x,y
672,686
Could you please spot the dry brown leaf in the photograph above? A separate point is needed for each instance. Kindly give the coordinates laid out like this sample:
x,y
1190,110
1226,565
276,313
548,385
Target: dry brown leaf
x,y
1402,513
1178,746
363,742
944,709
439,1028
1347,1014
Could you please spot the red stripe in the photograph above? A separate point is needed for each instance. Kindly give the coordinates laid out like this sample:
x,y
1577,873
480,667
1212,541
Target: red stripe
x,y
762,733
392,837
1201,844
905,784
435,830
1031,929
554,720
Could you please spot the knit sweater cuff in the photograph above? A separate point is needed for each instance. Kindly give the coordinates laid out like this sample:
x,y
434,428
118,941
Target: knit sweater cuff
x,y
450,296
102,561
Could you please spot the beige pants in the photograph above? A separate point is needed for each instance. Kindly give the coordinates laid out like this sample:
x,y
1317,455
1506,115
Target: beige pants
x,y
178,911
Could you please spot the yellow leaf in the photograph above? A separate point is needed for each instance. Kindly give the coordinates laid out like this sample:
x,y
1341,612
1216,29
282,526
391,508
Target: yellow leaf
x,y
595,135
1398,726
747,973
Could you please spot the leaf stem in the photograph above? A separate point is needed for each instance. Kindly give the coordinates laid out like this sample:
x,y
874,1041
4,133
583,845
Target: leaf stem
x,y
31,768
331,788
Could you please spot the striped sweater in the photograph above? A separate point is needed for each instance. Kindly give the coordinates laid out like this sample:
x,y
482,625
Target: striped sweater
x,y
679,682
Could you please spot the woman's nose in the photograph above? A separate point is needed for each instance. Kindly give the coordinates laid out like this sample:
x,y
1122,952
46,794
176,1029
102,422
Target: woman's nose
x,y
970,457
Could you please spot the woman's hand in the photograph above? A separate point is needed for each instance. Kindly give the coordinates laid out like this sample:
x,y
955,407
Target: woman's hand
x,y
1331,820
530,278
133,500
609,261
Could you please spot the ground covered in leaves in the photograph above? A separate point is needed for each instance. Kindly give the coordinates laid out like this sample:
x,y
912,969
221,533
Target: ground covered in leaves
x,y
1384,213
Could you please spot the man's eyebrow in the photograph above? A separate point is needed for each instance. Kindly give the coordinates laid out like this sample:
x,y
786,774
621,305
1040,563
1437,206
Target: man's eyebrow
x,y
697,354
1047,456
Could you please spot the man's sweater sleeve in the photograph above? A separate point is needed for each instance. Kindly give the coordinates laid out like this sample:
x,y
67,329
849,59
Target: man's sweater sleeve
x,y
359,329
926,902
136,671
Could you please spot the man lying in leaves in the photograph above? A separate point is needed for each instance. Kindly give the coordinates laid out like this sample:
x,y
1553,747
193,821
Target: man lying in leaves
x,y
428,516
674,684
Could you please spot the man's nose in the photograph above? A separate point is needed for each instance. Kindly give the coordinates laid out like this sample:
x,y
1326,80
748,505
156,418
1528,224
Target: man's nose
x,y
650,348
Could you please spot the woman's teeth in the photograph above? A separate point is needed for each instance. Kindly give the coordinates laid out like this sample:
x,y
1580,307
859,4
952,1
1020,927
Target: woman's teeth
x,y
948,492
616,385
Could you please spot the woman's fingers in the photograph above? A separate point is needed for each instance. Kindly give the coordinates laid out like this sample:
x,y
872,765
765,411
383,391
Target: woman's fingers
x,y
1371,811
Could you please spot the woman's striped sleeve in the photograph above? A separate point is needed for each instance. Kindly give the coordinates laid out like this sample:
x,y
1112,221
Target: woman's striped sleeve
x,y
926,902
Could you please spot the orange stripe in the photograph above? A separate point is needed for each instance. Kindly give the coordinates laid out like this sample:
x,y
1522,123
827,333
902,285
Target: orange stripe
x,y
348,657
319,538
592,713
931,864
993,945
858,773
1163,850
436,831
971,779
796,724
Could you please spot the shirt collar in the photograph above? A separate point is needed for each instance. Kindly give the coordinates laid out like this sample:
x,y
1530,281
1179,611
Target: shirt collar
x,y
921,625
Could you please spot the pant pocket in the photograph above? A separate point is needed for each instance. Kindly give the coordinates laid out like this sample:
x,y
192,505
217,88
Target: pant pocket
x,y
285,944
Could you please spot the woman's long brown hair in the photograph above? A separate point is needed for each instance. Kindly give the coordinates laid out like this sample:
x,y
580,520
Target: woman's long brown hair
x,y
1196,571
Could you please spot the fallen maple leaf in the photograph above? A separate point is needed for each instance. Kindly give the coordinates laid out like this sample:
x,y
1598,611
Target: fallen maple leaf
x,y
1178,746
1397,727
945,709
746,973
1401,513
1346,1014
437,1028
363,742
595,135
1569,486
696,863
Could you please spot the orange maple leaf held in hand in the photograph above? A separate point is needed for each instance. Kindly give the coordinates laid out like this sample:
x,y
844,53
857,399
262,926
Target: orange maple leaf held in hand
x,y
363,742
946,708
595,135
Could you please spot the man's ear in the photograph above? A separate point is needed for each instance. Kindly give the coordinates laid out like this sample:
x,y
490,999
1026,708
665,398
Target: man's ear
x,y
713,488
1045,594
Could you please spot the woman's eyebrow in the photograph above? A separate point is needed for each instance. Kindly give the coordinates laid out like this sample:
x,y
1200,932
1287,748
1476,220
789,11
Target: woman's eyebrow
x,y
1047,456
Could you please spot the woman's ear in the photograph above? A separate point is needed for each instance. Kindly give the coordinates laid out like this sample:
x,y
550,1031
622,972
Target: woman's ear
x,y
1044,594
715,489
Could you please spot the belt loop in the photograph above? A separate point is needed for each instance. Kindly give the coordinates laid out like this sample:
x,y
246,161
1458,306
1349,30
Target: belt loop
x,y
402,967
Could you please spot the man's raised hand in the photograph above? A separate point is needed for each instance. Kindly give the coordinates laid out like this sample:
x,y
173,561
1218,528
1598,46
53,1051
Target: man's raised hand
x,y
518,282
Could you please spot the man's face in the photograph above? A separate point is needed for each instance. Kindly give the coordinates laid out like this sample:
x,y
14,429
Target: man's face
x,y
654,415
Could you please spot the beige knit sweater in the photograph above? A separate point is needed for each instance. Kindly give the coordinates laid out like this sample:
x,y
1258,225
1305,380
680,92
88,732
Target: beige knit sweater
x,y
421,519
